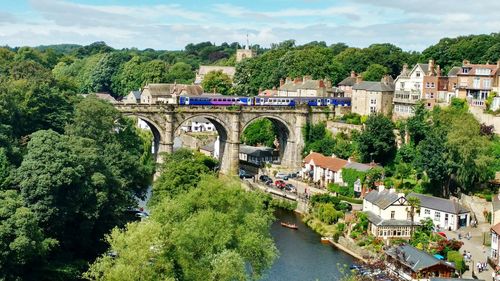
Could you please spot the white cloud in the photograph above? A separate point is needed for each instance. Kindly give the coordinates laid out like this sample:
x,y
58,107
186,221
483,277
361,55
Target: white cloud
x,y
412,25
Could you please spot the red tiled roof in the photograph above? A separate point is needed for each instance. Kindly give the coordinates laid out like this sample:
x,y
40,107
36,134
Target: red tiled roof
x,y
496,228
331,163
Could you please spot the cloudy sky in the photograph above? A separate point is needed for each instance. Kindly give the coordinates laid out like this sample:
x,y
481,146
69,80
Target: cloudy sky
x,y
162,24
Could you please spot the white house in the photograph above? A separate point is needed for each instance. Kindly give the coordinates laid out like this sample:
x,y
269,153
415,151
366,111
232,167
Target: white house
x,y
198,125
494,248
132,97
323,169
389,215
408,89
445,213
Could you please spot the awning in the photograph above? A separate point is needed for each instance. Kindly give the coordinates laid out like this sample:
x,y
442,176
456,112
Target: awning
x,y
439,257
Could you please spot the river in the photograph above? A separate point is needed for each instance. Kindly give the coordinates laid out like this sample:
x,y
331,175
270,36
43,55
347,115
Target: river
x,y
302,255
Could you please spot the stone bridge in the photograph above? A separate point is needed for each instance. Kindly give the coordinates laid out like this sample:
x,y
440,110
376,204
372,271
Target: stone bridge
x,y
166,119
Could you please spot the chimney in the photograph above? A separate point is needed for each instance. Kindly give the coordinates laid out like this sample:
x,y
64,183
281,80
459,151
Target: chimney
x,y
431,67
405,68
260,91
349,160
321,83
306,78
359,79
466,62
438,70
381,188
297,80
288,80
282,82
498,63
353,74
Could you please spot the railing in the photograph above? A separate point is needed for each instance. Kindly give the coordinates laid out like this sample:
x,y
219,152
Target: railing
x,y
476,102
407,96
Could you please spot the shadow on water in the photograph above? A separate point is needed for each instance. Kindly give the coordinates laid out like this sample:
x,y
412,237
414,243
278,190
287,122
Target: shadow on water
x,y
302,255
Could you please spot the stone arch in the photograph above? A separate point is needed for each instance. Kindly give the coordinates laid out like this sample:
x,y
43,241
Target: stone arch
x,y
156,130
286,137
224,132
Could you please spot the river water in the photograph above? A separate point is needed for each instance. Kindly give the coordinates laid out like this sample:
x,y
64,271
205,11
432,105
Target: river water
x,y
302,255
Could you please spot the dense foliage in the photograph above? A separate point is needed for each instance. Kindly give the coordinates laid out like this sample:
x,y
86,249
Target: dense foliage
x,y
216,231
260,132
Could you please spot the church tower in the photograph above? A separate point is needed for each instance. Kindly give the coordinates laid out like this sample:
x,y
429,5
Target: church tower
x,y
245,53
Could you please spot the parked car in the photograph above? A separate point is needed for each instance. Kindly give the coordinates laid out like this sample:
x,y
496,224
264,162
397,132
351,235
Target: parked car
x,y
289,187
269,182
280,184
292,175
245,174
264,178
282,176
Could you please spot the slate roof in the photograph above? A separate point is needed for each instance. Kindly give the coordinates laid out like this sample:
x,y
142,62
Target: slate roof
x,y
374,86
349,81
256,151
454,70
376,220
332,163
165,89
440,204
358,166
413,258
474,67
137,94
382,199
200,120
308,84
424,66
210,147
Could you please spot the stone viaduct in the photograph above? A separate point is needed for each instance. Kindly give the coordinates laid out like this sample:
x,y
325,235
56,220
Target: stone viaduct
x,y
166,119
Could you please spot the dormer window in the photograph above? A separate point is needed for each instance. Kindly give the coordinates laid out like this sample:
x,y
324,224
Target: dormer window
x,y
483,71
465,70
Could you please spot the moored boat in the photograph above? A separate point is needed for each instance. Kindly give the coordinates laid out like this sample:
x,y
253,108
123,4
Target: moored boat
x,y
289,225
325,240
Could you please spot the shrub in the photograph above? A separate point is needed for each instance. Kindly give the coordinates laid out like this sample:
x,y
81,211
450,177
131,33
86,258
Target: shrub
x,y
458,259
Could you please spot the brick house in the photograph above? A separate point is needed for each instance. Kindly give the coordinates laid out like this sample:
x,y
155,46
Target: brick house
x,y
476,81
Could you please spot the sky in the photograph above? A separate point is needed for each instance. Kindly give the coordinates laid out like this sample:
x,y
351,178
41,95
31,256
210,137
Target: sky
x,y
170,25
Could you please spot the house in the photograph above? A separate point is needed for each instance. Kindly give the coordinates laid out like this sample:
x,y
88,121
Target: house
x,y
372,97
258,156
389,215
205,69
132,97
423,83
453,83
476,81
445,213
307,87
409,263
245,53
495,245
347,84
198,125
168,93
322,169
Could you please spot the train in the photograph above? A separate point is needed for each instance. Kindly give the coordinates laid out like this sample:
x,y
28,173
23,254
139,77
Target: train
x,y
263,101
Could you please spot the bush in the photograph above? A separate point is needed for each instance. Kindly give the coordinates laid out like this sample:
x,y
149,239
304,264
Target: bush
x,y
350,200
458,259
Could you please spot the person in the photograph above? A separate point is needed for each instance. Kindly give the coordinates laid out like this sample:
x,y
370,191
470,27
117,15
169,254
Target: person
x,y
459,236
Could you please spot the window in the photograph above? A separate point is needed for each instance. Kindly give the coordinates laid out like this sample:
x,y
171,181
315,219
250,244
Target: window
x,y
476,82
427,84
437,216
427,212
373,101
402,85
454,85
487,83
483,71
373,109
418,74
465,70
433,85
393,214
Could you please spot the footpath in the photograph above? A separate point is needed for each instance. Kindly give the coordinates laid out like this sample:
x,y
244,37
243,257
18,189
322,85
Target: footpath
x,y
474,245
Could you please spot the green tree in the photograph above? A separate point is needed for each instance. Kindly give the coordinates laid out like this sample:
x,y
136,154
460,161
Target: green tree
x,y
417,124
260,132
181,73
377,140
374,72
414,204
22,240
226,238
181,171
217,82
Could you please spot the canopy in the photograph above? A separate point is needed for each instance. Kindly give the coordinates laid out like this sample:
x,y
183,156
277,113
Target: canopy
x,y
439,257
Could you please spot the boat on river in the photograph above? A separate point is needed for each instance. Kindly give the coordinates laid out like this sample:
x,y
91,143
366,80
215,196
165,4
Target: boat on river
x,y
326,240
289,225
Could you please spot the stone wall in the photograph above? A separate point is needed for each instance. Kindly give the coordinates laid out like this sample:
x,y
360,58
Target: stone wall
x,y
350,247
476,205
337,127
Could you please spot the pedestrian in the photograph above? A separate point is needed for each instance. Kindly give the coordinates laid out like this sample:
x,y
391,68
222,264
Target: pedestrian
x,y
493,276
468,236
459,236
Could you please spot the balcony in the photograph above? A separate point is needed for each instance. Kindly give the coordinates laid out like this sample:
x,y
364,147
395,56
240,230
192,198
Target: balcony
x,y
411,97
